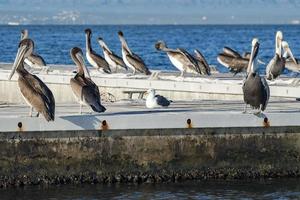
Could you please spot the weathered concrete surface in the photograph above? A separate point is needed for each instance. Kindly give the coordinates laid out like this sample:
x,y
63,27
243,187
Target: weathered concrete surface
x,y
109,157
218,86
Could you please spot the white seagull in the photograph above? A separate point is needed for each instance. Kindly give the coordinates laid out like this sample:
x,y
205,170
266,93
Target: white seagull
x,y
153,100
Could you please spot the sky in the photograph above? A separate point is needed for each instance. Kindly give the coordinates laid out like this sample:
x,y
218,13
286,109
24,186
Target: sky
x,y
150,11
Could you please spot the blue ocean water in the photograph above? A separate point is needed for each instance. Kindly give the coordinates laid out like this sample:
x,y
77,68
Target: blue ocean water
x,y
53,42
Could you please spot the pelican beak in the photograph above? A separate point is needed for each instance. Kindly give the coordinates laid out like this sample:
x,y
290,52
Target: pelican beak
x,y
19,58
253,55
81,60
289,52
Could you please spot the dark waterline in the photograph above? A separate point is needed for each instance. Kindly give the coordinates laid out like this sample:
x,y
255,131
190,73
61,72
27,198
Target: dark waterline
x,y
53,42
266,189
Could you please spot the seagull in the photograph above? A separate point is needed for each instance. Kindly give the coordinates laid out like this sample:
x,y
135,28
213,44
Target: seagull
x,y
153,100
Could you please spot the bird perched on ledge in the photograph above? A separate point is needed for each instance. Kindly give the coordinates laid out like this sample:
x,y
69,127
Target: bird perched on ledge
x,y
131,59
93,58
154,100
84,89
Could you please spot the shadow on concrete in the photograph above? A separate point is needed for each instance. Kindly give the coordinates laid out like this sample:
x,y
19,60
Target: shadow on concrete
x,y
84,121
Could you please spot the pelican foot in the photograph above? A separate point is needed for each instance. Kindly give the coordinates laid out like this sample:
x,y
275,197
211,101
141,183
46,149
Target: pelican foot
x,y
38,114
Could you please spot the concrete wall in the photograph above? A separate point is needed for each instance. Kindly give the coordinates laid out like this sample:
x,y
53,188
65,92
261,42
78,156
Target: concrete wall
x,y
148,155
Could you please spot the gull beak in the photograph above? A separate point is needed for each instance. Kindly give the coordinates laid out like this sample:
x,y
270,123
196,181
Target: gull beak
x,y
19,58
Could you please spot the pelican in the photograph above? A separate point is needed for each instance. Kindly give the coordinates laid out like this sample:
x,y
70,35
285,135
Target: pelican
x,y
233,60
153,100
113,60
36,94
84,89
33,60
291,63
94,59
277,63
131,59
202,63
255,88
180,58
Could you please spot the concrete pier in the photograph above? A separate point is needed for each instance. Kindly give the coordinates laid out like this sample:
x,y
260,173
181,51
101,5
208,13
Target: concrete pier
x,y
141,145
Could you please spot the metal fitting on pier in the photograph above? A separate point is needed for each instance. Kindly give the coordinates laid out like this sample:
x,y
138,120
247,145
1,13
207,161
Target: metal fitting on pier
x,y
189,123
266,122
104,125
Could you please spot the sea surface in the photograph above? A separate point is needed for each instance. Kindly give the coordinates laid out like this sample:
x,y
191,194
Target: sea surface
x,y
54,42
205,190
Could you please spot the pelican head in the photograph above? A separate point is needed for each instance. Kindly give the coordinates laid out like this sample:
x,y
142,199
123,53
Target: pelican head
x,y
101,42
24,50
160,45
24,34
254,52
77,57
287,51
88,31
120,34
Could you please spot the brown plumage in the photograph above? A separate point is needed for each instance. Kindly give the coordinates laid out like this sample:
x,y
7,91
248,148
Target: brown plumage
x,y
132,60
93,58
85,90
35,92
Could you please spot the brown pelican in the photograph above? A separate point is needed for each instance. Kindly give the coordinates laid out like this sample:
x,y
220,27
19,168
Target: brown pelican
x,y
255,88
291,63
233,60
153,100
180,58
113,60
277,63
84,89
202,63
94,59
131,59
34,60
36,94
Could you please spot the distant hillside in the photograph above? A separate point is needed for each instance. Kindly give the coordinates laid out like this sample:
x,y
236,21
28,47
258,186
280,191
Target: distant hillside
x,y
149,11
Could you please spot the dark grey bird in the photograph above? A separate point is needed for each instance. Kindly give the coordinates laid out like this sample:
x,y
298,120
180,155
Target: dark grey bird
x,y
232,60
154,100
180,58
93,58
255,88
202,63
34,60
131,59
112,59
277,64
36,94
84,89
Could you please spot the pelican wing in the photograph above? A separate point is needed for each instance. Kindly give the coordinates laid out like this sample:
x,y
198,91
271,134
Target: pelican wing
x,y
230,52
290,65
38,95
204,65
91,95
162,101
117,60
267,92
235,65
37,60
138,63
101,62
194,65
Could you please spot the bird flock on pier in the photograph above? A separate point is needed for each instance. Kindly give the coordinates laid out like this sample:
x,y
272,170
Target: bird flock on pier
x,y
39,97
